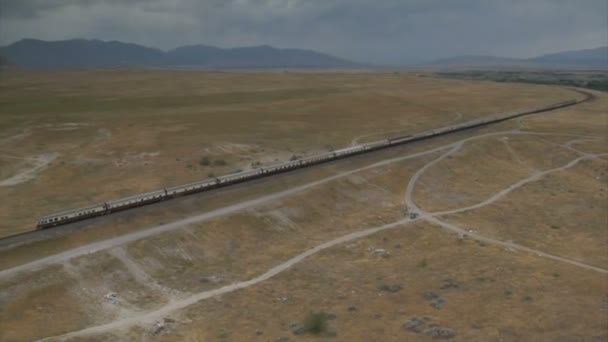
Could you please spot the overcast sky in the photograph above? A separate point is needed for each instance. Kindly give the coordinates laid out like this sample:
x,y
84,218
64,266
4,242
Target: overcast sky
x,y
376,31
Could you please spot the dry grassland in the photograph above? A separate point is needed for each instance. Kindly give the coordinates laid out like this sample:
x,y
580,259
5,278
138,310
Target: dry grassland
x,y
415,272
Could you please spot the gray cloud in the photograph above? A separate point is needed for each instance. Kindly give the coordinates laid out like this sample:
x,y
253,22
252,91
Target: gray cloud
x,y
379,31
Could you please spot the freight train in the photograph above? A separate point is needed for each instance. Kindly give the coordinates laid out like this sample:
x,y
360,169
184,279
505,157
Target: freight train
x,y
218,182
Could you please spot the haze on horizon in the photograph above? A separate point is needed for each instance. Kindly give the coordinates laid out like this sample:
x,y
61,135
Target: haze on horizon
x,y
381,31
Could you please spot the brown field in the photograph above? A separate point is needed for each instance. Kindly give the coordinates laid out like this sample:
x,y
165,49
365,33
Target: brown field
x,y
476,287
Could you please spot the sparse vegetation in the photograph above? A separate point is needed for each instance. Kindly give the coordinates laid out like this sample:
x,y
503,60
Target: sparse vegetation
x,y
597,80
204,161
220,162
390,288
315,323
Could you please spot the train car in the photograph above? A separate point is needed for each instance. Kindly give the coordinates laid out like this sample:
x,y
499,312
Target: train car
x,y
136,200
401,140
376,145
347,151
70,216
236,177
281,167
191,187
319,158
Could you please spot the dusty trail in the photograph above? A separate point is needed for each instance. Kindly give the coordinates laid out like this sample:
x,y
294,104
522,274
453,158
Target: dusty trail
x,y
141,276
533,178
412,207
512,246
428,216
39,163
431,216
152,316
514,154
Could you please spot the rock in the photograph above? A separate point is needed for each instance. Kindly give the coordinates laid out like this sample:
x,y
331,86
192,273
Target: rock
x,y
168,320
377,316
475,326
159,327
282,339
415,324
437,303
111,297
259,332
331,316
440,332
431,295
450,284
297,328
352,308
434,298
390,288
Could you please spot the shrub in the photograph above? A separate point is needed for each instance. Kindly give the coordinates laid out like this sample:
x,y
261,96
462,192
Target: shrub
x,y
220,162
422,263
315,322
390,288
204,161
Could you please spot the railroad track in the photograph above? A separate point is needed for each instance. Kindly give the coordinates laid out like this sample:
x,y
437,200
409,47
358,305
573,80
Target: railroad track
x,y
81,214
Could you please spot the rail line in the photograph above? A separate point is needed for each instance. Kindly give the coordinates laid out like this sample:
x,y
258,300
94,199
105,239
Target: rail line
x,y
139,200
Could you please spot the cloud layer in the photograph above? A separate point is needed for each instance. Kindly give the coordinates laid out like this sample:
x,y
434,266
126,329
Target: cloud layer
x,y
379,31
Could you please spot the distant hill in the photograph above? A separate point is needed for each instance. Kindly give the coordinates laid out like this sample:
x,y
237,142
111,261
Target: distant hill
x,y
588,57
97,53
477,61
597,57
250,57
79,53
4,61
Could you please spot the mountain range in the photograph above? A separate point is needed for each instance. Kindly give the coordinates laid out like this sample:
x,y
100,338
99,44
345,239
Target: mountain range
x,y
98,53
597,57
